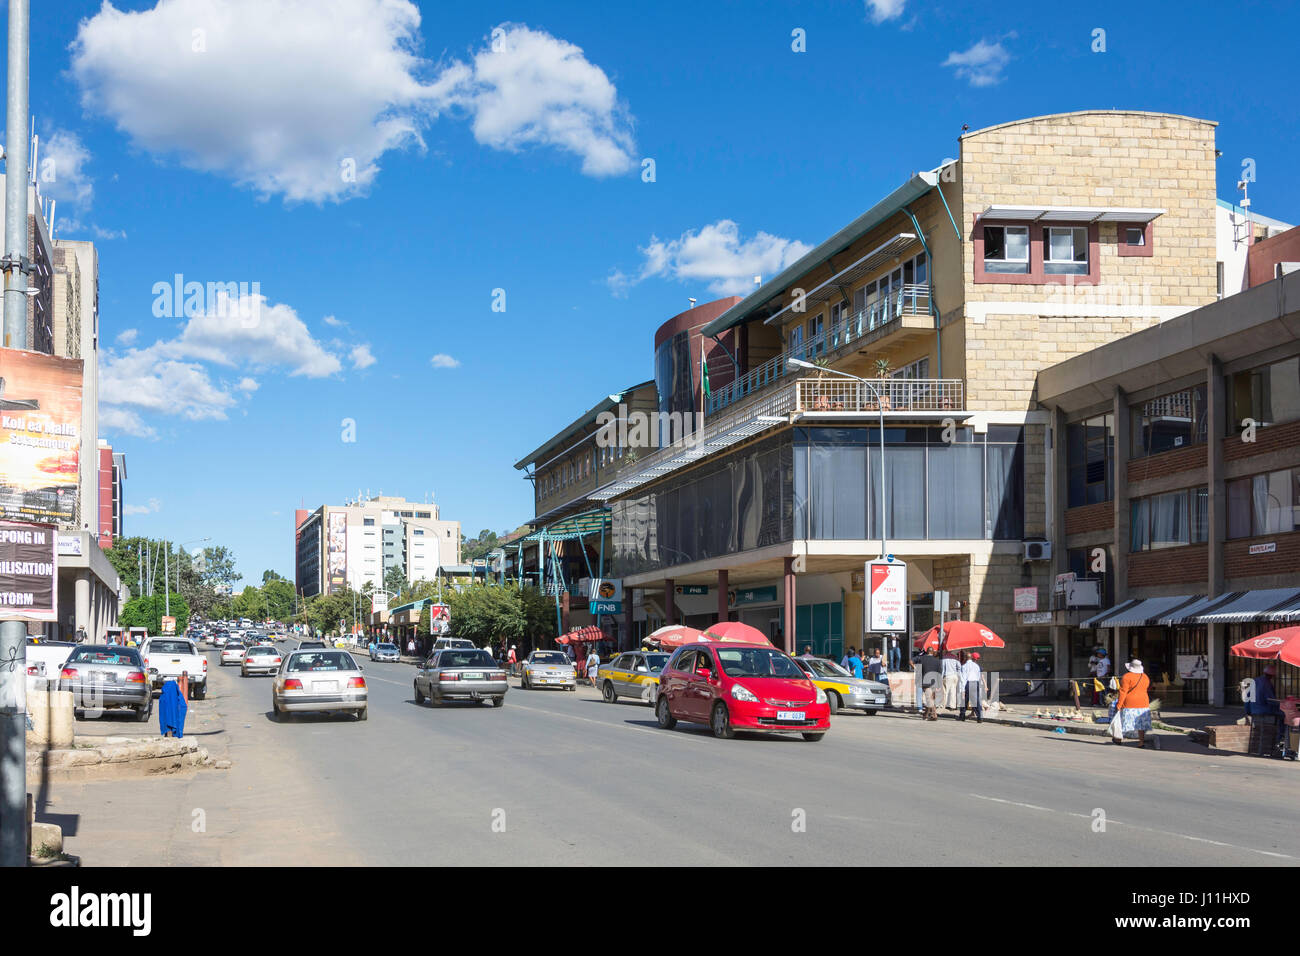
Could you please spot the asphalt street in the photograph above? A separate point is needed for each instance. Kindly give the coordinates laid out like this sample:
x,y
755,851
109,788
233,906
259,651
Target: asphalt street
x,y
563,778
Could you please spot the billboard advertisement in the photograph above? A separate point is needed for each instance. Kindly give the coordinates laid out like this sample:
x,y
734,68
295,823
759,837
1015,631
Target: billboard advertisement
x,y
40,436
336,550
28,572
886,596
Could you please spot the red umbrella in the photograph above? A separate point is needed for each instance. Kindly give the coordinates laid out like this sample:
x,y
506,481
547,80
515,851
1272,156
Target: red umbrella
x,y
1280,645
958,635
734,632
583,635
675,635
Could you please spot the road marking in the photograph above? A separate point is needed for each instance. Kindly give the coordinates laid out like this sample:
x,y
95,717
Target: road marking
x,y
590,720
1135,826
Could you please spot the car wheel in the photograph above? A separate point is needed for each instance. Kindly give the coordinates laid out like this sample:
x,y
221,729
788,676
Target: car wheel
x,y
78,713
813,738
720,722
142,714
498,701
870,713
419,697
665,716
833,699
607,691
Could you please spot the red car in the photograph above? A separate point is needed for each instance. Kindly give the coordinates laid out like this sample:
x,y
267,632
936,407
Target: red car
x,y
734,687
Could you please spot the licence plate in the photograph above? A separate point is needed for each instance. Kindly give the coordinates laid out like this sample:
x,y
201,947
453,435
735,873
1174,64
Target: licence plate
x,y
789,715
325,685
471,676
103,677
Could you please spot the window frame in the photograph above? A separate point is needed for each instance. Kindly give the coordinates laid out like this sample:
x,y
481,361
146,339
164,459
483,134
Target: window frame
x,y
1036,273
1056,266
1144,249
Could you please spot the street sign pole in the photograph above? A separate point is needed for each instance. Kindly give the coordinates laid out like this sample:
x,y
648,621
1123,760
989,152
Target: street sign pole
x,y
13,634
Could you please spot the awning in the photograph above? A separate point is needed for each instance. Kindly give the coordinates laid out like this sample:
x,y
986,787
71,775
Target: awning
x,y
1188,612
1139,613
1253,606
1071,214
1095,620
832,288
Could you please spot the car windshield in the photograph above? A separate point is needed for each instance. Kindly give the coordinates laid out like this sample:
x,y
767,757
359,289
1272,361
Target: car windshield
x,y
322,661
826,668
656,662
756,662
169,647
261,650
234,646
465,659
104,655
550,657
386,647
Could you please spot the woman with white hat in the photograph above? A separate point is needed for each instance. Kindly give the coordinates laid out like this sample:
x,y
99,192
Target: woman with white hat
x,y
1132,715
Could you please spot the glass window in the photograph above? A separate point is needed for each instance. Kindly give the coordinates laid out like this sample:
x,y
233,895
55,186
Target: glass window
x,y
1065,250
796,341
956,491
1005,485
1265,395
1168,422
1135,236
1006,249
1169,520
1089,455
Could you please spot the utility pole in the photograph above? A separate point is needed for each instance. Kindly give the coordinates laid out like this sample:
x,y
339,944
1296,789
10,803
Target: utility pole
x,y
13,634
167,595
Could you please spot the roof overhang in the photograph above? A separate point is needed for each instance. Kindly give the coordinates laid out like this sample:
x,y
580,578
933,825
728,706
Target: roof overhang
x,y
829,289
587,418
773,289
1071,214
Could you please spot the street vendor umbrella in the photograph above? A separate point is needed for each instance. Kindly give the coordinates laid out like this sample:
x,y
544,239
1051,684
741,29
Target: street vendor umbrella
x,y
959,635
734,632
583,635
1280,645
675,635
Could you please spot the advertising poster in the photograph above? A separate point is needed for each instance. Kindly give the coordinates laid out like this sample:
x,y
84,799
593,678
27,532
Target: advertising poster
x,y
40,436
887,596
336,544
28,572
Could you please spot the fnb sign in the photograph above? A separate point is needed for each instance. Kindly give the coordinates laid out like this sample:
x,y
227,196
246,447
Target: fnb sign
x,y
886,596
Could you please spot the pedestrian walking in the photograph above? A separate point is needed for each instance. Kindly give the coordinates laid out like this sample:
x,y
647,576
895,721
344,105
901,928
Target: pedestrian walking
x,y
410,646
951,680
895,655
1131,712
844,661
931,674
971,684
593,666
1099,667
855,664
512,658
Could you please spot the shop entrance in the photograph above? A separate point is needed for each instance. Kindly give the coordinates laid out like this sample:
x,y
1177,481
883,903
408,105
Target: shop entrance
x,y
1175,658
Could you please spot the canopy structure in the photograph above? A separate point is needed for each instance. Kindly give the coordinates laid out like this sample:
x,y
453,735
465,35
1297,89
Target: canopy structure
x,y
583,635
550,541
675,635
959,635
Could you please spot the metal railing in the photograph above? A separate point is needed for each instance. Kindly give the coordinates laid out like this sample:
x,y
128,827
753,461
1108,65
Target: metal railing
x,y
835,394
876,313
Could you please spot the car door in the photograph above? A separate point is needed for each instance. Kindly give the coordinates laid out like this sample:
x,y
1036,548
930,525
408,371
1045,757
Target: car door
x,y
692,694
674,682
708,690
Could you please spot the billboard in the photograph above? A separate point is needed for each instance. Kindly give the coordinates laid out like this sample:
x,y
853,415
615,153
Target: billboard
x,y
40,436
886,596
336,550
28,572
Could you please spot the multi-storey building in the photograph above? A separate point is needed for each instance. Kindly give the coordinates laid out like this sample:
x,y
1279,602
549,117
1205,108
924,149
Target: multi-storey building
x,y
359,542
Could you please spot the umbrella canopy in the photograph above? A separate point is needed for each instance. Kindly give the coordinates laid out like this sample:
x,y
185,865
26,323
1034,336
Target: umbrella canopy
x,y
1280,645
734,632
959,635
675,635
583,635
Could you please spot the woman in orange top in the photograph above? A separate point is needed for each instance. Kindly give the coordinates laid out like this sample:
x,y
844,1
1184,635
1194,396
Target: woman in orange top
x,y
1133,705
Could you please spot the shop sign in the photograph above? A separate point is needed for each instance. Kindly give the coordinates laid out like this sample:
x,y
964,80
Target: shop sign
x,y
1063,581
1036,617
887,596
692,589
28,574
1263,548
605,607
765,595
1025,599
70,544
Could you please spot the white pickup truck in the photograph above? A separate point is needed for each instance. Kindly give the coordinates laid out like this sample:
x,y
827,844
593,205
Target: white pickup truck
x,y
166,658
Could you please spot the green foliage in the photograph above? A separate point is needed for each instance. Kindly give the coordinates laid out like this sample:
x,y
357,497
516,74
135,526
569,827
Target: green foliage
x,y
278,594
147,612
490,612
395,584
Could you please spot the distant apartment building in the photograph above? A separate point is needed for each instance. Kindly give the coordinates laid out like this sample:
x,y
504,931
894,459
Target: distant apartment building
x,y
349,545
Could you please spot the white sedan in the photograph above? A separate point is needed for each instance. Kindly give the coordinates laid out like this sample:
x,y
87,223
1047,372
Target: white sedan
x,y
232,653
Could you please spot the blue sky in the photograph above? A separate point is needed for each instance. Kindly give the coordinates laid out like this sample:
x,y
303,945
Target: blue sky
x,y
212,139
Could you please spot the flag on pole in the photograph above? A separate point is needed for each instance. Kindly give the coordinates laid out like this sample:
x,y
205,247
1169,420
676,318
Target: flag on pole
x,y
704,374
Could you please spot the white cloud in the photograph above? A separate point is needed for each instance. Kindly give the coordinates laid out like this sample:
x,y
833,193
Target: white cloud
x,y
982,64
124,420
127,336
302,98
362,356
248,385
333,320
154,505
882,10
716,255
443,360
107,234
248,330
61,168
149,380
529,88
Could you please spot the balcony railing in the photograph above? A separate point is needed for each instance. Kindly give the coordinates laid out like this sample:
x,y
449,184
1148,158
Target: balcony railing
x,y
877,312
836,394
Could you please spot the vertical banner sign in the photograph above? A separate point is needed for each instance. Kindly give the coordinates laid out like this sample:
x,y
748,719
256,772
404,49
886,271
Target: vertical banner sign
x,y
886,596
337,551
28,574
40,437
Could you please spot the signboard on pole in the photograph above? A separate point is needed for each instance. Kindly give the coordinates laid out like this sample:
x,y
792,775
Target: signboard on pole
x,y
169,625
28,572
40,437
886,596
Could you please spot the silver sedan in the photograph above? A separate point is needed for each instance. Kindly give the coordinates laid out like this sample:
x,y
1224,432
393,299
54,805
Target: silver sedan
x,y
460,674
107,675
261,659
548,669
319,680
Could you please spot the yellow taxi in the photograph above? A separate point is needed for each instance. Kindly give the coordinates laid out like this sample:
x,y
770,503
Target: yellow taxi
x,y
843,690
632,674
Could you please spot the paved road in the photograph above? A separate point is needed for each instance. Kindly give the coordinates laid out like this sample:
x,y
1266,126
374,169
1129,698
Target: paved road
x,y
556,777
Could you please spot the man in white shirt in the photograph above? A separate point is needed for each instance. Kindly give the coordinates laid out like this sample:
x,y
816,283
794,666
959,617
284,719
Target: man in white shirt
x,y
1100,671
970,679
951,680
593,666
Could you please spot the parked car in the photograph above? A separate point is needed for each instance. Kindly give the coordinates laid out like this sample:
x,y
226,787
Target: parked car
x,y
445,642
632,674
460,674
311,645
103,676
232,653
548,669
740,687
843,690
167,658
261,659
319,680
45,658
385,652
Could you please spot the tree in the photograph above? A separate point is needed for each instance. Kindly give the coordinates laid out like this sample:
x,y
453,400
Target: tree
x,y
278,594
395,584
147,612
268,576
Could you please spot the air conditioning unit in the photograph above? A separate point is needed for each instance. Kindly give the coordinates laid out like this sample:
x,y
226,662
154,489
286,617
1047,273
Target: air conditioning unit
x,y
1037,550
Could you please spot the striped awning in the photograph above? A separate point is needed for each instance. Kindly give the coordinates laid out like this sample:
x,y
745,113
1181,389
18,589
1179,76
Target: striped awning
x,y
1140,612
1187,614
1262,605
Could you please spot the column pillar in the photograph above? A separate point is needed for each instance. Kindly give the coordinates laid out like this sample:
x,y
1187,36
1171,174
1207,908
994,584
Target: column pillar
x,y
788,640
722,595
1216,427
629,641
670,606
82,603
1123,443
1060,634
